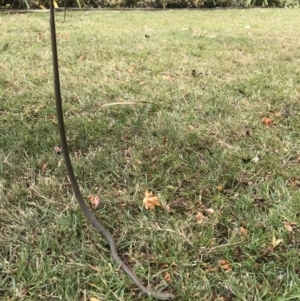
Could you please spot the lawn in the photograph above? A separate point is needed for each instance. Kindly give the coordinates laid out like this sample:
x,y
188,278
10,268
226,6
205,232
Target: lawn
x,y
204,112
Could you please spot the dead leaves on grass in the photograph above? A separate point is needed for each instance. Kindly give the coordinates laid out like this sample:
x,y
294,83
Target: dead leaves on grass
x,y
57,149
44,166
276,242
225,264
82,58
94,201
199,217
269,121
289,226
94,299
243,231
166,77
167,277
150,201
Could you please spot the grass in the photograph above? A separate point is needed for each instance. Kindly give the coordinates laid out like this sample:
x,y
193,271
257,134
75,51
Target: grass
x,y
208,79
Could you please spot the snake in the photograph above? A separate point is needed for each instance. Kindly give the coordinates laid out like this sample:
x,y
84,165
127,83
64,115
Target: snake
x,y
86,210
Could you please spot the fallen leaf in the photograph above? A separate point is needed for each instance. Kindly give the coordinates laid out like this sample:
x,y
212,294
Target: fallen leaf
x,y
215,222
74,97
210,270
44,167
94,201
243,230
222,261
288,226
276,242
174,265
150,201
199,217
24,291
225,264
278,115
220,187
245,102
53,119
166,77
167,277
267,121
267,250
60,162
210,211
126,137
94,299
82,58
57,149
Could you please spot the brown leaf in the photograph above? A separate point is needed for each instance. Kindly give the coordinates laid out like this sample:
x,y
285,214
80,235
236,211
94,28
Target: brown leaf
x,y
94,200
220,188
167,277
44,166
53,119
74,97
209,211
267,121
174,265
288,226
225,264
93,299
215,222
245,102
265,251
199,217
24,291
166,77
82,58
150,201
243,230
278,115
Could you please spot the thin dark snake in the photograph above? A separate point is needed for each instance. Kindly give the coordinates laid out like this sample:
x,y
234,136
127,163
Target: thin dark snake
x,y
87,212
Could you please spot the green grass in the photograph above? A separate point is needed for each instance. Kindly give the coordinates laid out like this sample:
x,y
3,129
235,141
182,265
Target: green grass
x,y
198,143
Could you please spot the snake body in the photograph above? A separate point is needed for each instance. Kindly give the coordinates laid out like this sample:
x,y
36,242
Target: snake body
x,y
87,212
